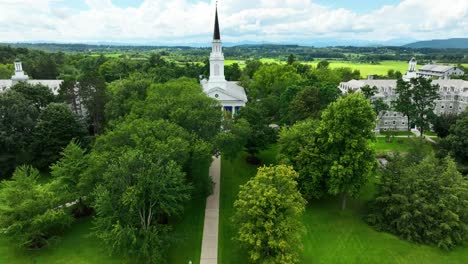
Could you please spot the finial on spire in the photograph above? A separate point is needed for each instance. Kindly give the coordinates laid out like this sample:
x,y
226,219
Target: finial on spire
x,y
216,35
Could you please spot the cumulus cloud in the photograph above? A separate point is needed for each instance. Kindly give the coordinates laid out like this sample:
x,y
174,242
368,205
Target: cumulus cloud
x,y
189,21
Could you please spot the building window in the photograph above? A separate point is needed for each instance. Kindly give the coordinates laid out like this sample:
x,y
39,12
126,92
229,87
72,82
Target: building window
x,y
394,122
217,95
442,106
402,123
228,109
394,114
386,123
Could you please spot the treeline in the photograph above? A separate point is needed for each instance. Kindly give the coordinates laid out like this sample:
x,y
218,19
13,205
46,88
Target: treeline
x,y
280,52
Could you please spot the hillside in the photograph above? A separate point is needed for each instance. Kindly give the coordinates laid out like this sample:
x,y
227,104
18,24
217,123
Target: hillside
x,y
454,43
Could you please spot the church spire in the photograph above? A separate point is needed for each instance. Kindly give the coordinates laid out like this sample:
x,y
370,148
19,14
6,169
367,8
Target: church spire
x,y
216,35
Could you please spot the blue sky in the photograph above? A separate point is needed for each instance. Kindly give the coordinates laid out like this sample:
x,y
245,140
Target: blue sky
x,y
182,22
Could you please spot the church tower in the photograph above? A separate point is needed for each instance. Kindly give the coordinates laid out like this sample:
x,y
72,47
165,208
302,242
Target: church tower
x,y
411,73
217,57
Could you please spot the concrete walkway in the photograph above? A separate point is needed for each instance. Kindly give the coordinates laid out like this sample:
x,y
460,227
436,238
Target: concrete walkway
x,y
418,134
209,252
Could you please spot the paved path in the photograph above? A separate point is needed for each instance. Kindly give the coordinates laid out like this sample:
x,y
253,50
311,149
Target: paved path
x,y
209,252
418,134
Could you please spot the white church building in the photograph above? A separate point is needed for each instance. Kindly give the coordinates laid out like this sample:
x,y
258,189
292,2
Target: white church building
x,y
20,76
453,96
231,96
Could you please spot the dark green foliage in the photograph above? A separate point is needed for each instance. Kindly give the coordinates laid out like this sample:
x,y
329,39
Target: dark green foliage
x,y
323,64
138,193
17,120
92,91
31,213
456,143
403,102
441,124
54,129
232,139
39,95
298,147
232,72
424,95
268,213
424,202
261,133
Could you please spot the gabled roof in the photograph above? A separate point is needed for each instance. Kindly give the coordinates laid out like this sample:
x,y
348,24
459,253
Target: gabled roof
x,y
436,68
232,89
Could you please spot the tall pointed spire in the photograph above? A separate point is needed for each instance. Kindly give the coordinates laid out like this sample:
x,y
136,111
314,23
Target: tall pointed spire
x,y
216,35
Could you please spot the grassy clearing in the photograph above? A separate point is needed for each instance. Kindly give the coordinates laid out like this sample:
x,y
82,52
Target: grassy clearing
x,y
400,144
79,246
396,133
369,69
333,235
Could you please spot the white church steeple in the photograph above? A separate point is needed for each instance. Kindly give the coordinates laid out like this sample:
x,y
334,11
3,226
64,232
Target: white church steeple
x,y
19,73
217,56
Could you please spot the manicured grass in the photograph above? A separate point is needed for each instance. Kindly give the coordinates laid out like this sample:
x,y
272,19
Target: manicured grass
x,y
399,144
333,235
188,232
369,69
233,174
430,134
396,133
76,246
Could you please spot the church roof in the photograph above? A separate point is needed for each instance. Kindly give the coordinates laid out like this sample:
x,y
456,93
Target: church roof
x,y
216,35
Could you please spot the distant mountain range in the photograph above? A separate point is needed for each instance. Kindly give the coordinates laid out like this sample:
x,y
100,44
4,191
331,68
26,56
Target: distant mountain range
x,y
454,43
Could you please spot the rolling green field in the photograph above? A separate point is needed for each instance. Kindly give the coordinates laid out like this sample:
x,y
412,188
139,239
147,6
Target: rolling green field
x,y
365,68
333,235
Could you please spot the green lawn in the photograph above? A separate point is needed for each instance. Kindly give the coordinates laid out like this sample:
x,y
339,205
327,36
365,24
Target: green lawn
x,y
396,133
398,144
333,235
77,245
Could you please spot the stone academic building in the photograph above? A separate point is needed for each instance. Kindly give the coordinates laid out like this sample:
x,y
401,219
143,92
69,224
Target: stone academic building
x,y
453,93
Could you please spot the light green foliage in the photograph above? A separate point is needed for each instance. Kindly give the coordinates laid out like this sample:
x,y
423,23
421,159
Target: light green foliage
x,y
55,128
138,193
424,202
348,160
29,212
183,102
67,172
298,147
125,95
6,71
268,211
336,157
271,80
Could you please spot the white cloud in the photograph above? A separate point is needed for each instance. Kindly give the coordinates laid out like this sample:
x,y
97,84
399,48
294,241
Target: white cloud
x,y
185,21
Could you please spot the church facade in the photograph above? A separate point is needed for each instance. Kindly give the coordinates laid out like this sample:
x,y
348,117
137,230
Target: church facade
x,y
453,97
230,94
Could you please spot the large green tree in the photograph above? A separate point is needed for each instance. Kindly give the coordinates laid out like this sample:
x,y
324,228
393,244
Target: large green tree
x,y
456,143
425,202
132,204
233,137
39,95
268,214
424,95
344,133
298,147
17,120
67,173
403,102
30,212
55,128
